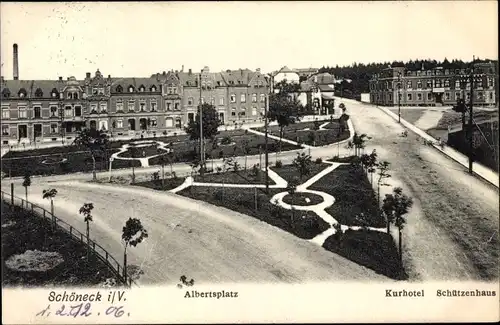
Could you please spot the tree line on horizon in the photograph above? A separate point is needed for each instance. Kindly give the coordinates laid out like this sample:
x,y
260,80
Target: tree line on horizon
x,y
360,73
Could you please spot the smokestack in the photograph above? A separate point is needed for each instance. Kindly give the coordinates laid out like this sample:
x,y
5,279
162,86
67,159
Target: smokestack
x,y
16,63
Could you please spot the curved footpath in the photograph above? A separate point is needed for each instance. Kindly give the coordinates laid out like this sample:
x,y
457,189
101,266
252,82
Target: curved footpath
x,y
196,239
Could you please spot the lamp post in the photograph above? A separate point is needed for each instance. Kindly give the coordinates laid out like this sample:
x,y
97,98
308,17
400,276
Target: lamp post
x,y
399,97
201,129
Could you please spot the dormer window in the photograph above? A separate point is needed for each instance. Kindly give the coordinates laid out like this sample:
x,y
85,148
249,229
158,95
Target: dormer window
x,y
142,88
22,93
54,93
119,89
153,89
6,93
130,89
38,93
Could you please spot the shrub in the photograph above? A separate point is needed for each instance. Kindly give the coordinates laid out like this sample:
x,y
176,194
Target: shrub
x,y
256,170
319,160
164,132
226,140
279,164
221,154
218,195
219,170
174,175
155,176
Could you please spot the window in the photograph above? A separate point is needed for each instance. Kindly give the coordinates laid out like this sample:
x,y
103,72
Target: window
x,y
429,84
169,122
78,110
153,89
154,122
490,82
153,105
190,101
53,111
439,83
22,112
419,96
93,108
262,98
212,101
479,83
131,89
254,98
94,91
390,97
119,124
447,96
171,89
409,84
169,106
119,105
468,96
176,106
429,96
142,106
243,98
233,98
480,95
53,128
103,107
457,84
119,89
409,97
254,111
419,84
221,101
37,110
142,88
202,100
5,112
457,95
38,93
447,83
243,113
491,96
5,130
54,94
131,105
68,111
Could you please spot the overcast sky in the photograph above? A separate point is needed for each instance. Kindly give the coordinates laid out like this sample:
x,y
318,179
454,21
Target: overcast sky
x,y
139,39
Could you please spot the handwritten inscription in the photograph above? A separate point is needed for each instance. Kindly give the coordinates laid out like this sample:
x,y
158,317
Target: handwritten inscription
x,y
80,305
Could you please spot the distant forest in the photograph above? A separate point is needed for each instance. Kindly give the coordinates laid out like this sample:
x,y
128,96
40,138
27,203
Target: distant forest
x,y
360,73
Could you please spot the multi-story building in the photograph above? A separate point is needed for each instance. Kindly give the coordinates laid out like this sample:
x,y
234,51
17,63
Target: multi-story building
x,y
433,87
35,111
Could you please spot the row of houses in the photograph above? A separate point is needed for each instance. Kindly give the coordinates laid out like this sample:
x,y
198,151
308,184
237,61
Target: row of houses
x,y
51,110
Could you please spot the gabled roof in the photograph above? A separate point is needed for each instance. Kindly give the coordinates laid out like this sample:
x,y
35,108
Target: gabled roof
x,y
239,77
31,86
135,82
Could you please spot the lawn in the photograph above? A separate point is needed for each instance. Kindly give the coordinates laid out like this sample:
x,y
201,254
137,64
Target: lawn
x,y
305,224
289,172
166,185
372,249
355,201
452,118
17,163
241,177
308,133
300,198
22,231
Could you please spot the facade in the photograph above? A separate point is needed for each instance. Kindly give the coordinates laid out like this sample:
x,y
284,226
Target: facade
x,y
318,93
35,111
433,87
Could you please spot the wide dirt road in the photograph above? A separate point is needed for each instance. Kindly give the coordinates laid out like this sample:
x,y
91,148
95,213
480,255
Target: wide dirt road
x,y
452,230
207,243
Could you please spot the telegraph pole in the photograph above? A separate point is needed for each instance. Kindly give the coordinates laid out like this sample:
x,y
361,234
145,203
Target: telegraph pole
x,y
265,146
471,147
399,97
202,164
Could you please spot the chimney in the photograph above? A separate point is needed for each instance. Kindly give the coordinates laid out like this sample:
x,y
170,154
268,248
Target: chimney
x,y
60,78
87,75
16,63
190,71
182,69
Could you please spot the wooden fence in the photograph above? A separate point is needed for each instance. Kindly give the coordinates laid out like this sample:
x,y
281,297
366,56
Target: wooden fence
x,y
115,266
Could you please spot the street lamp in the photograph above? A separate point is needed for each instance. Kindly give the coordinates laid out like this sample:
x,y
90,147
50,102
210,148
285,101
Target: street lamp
x,y
399,97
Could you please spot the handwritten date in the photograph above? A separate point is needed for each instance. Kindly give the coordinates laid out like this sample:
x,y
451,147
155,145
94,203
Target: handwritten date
x,y
81,310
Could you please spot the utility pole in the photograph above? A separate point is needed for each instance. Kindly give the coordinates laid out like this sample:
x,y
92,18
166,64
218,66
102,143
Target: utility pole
x,y
399,97
471,148
265,140
202,164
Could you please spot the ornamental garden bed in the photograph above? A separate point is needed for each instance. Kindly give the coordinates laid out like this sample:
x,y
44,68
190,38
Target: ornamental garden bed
x,y
231,177
166,185
27,237
302,199
303,224
305,132
289,172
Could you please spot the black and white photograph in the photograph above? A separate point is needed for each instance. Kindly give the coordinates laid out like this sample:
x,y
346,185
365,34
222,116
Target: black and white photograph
x,y
203,146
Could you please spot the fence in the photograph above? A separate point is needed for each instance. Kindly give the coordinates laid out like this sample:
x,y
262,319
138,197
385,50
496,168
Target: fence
x,y
115,266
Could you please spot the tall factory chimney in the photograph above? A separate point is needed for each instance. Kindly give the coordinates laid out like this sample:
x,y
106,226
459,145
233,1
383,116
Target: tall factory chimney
x,y
16,63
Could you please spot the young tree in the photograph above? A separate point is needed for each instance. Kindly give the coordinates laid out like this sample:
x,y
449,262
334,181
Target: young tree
x,y
383,168
163,161
133,233
246,150
86,210
358,142
134,153
50,195
26,184
94,141
283,106
210,121
395,207
303,164
372,163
